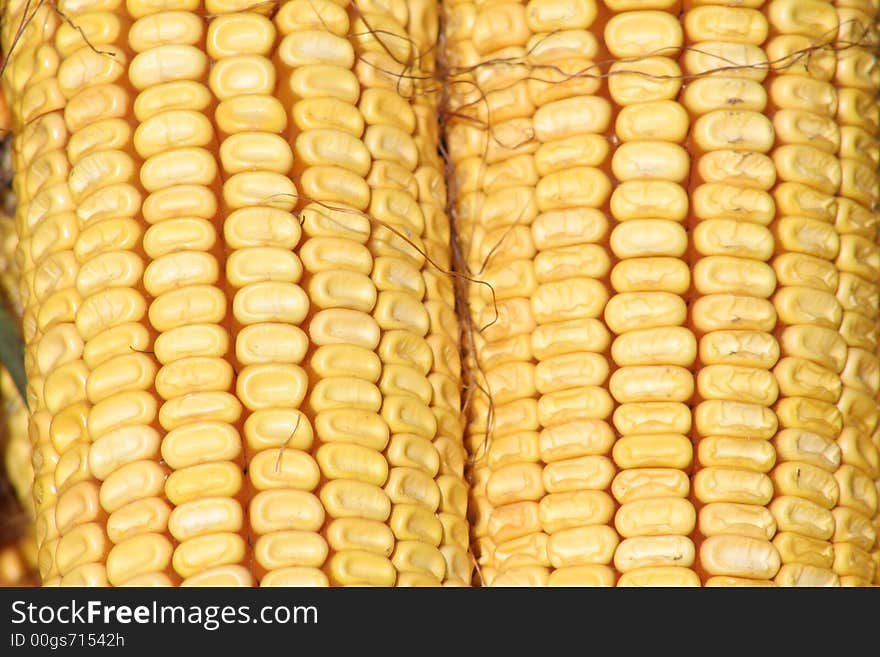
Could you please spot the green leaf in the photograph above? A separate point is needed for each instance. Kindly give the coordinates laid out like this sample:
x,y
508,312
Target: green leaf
x,y
12,350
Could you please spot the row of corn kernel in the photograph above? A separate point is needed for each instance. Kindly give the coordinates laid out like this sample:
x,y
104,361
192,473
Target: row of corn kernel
x,y
732,282
807,375
188,305
653,349
496,210
14,80
445,372
55,228
385,47
92,76
316,59
262,276
858,263
871,118
571,124
40,141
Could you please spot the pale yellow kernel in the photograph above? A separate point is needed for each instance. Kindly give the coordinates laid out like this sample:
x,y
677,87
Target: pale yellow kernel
x,y
261,226
650,160
351,425
659,450
645,483
661,346
283,510
644,310
640,238
723,311
270,342
561,511
114,449
295,577
176,95
724,201
746,384
639,33
202,405
277,428
250,113
652,417
239,34
755,455
325,81
172,129
653,551
643,80
659,576
125,372
738,129
649,199
561,234
655,274
745,168
123,409
747,520
801,377
655,517
793,547
353,499
132,481
205,516
740,348
290,549
739,556
332,147
651,383
194,340
198,554
740,24
357,568
242,74
663,120
283,468
200,443
261,151
354,462
575,439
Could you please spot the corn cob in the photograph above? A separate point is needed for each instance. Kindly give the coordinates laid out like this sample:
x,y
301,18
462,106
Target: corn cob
x,y
205,337
48,294
859,268
756,182
240,333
